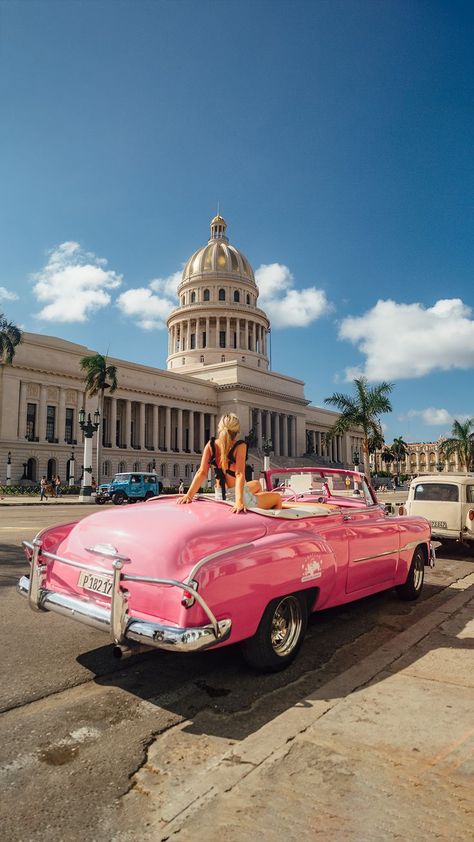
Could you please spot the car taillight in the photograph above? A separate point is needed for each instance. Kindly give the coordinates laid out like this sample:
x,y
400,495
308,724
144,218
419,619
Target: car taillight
x,y
188,598
471,514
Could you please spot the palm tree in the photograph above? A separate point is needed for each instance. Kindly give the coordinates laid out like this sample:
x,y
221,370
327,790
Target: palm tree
x,y
376,442
97,377
461,443
10,337
362,410
387,456
399,449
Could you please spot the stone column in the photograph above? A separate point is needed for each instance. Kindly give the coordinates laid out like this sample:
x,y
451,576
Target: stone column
x,y
61,430
42,413
294,448
179,443
212,424
227,332
127,441
156,428
113,422
142,441
168,428
258,413
208,334
201,431
191,430
284,427
22,411
276,443
252,335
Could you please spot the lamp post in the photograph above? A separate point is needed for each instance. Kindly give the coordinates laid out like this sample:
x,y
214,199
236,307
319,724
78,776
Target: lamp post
x,y
72,468
356,459
9,468
88,427
267,447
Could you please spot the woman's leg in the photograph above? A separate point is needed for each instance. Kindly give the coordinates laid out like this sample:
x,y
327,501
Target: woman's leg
x,y
254,486
269,500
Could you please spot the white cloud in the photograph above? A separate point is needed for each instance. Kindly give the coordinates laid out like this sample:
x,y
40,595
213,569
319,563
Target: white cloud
x,y
434,417
409,340
6,295
150,310
73,284
285,305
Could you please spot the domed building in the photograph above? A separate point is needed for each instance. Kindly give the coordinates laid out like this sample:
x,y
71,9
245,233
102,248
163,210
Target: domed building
x,y
217,319
217,362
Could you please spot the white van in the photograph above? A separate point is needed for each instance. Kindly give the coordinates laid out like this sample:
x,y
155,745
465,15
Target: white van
x,y
447,501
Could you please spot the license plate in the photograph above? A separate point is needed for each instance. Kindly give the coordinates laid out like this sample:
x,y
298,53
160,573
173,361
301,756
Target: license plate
x,y
440,524
95,582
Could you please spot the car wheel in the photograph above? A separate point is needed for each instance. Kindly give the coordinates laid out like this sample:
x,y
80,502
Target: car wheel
x,y
416,575
118,498
279,635
149,495
100,501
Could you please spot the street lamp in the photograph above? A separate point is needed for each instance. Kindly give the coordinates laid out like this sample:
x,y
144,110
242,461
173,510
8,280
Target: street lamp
x,y
72,468
356,459
88,427
267,447
9,468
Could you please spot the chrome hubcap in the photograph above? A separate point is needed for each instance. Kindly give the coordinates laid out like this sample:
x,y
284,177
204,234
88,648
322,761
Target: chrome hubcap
x,y
286,625
418,573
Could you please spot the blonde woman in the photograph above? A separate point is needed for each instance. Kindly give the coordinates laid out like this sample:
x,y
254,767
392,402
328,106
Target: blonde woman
x,y
226,454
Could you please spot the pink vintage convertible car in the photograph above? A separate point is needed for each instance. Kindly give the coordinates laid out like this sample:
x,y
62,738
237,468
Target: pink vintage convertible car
x,y
187,578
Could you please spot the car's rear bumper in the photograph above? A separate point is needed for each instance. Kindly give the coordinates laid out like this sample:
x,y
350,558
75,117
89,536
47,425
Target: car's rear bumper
x,y
117,622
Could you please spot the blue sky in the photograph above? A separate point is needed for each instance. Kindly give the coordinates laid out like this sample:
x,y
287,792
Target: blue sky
x,y
336,136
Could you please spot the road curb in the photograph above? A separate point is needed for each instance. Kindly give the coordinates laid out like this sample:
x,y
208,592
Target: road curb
x,y
271,741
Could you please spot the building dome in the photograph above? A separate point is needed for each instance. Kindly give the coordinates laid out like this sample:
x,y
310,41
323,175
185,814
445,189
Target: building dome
x,y
217,319
218,257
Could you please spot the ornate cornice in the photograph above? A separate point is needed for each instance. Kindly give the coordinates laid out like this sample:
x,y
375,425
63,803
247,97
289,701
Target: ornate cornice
x,y
226,387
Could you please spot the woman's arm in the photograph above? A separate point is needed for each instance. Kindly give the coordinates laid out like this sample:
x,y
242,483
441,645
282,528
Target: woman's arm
x,y
199,477
240,454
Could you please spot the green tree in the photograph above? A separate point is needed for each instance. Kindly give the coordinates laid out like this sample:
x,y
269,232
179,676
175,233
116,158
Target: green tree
x,y
376,442
387,456
461,443
10,337
399,449
361,410
98,377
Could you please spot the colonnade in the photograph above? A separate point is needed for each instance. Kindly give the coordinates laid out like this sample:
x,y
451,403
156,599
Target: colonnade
x,y
332,450
205,332
50,404
155,427
277,426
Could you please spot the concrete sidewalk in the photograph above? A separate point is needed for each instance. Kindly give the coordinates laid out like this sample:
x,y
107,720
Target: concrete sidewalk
x,y
34,500
384,751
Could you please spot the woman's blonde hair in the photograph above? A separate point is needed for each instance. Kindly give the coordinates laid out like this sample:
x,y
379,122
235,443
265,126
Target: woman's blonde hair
x,y
227,431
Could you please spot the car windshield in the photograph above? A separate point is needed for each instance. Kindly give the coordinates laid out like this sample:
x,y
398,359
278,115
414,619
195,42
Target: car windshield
x,y
439,492
321,483
121,478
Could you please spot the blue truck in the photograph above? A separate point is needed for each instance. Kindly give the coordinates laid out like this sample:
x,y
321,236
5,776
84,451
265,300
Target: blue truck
x,y
129,487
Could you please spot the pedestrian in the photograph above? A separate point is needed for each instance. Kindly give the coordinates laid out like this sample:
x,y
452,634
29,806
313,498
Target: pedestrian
x,y
57,485
94,484
226,454
43,484
181,487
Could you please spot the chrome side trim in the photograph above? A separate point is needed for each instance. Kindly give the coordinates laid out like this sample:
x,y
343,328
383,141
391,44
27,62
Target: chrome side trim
x,y
218,554
158,635
377,555
412,545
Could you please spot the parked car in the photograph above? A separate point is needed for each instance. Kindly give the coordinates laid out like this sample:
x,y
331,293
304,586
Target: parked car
x,y
447,501
130,487
189,577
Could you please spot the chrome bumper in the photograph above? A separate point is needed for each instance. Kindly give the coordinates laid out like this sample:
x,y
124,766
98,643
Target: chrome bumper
x,y
117,621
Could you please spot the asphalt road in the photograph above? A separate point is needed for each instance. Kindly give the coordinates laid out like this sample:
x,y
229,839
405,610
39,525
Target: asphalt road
x,y
75,723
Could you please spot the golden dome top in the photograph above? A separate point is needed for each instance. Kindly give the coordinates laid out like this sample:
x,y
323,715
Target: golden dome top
x,y
218,256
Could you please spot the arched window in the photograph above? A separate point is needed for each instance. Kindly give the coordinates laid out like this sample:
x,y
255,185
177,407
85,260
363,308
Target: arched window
x,y
222,295
136,466
193,297
106,468
187,471
163,469
31,467
182,300
248,298
176,470
122,467
206,295
51,468
237,296
150,467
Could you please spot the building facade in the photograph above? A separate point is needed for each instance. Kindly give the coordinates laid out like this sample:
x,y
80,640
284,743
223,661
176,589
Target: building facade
x,y
217,362
422,458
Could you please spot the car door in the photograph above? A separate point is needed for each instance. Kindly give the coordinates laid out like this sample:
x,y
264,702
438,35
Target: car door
x,y
373,548
135,486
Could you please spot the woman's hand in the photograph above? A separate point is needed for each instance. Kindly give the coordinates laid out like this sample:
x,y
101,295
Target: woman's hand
x,y
184,498
237,508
